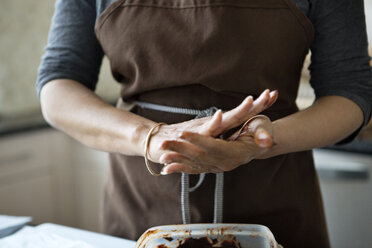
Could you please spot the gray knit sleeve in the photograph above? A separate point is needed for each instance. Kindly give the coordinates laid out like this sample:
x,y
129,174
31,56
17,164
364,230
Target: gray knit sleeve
x,y
73,51
340,60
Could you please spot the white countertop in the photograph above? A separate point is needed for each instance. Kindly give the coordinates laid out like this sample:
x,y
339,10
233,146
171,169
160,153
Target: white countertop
x,y
92,238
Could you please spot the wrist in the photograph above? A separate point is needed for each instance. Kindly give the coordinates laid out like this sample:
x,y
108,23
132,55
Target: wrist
x,y
138,137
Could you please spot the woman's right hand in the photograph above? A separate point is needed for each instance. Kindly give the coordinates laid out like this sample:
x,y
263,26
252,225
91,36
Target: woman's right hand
x,y
212,126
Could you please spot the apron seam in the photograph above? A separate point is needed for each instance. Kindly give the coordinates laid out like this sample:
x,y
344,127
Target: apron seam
x,y
106,14
303,20
205,5
122,4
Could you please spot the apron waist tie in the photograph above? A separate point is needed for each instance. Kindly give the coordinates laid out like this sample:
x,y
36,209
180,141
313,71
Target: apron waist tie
x,y
185,186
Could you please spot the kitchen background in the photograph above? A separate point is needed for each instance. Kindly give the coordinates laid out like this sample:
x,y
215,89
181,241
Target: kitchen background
x,y
49,176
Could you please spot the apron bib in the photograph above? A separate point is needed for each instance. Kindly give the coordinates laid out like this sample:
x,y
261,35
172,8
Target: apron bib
x,y
201,53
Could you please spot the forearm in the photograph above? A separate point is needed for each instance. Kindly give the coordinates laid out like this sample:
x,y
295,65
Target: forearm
x,y
327,121
76,110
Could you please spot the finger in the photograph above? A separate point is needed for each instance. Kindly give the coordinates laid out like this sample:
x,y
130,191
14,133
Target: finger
x,y
187,149
196,155
212,127
236,116
180,168
244,111
221,154
174,157
260,103
208,144
263,102
235,136
273,97
266,100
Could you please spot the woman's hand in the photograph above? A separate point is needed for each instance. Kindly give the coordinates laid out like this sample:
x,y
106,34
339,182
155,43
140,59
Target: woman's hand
x,y
211,126
195,153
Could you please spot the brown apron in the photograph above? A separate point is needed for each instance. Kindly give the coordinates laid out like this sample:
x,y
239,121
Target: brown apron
x,y
201,53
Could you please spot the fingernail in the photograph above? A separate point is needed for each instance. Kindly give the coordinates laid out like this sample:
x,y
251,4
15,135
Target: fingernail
x,y
162,146
265,92
247,100
274,92
262,135
217,113
182,135
263,139
162,160
163,171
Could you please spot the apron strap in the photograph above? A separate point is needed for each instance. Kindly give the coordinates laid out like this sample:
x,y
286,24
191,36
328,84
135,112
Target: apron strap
x,y
185,111
185,181
218,199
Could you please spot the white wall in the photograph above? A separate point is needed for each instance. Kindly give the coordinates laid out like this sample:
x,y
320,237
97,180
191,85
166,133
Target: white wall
x,y
368,10
24,26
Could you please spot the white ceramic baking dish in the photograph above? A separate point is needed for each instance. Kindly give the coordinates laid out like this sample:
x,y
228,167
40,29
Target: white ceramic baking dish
x,y
208,235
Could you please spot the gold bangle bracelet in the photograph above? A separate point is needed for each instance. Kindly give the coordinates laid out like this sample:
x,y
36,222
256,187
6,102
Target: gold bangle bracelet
x,y
147,143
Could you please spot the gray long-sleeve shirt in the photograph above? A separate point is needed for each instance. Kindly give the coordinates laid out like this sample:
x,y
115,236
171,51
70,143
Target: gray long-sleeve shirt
x,y
339,62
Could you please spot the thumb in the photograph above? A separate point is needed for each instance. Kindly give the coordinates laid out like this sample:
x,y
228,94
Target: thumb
x,y
263,138
261,129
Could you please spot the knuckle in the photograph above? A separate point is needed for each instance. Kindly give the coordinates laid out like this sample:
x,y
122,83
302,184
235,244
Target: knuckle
x,y
224,167
200,153
164,145
167,143
184,134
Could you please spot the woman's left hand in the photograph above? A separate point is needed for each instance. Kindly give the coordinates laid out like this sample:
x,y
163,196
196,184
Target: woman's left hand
x,y
195,153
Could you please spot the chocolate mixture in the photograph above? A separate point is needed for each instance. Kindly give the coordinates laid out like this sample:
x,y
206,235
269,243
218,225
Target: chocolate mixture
x,y
207,243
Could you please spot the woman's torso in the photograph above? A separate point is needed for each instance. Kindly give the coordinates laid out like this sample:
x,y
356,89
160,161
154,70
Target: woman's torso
x,y
182,54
